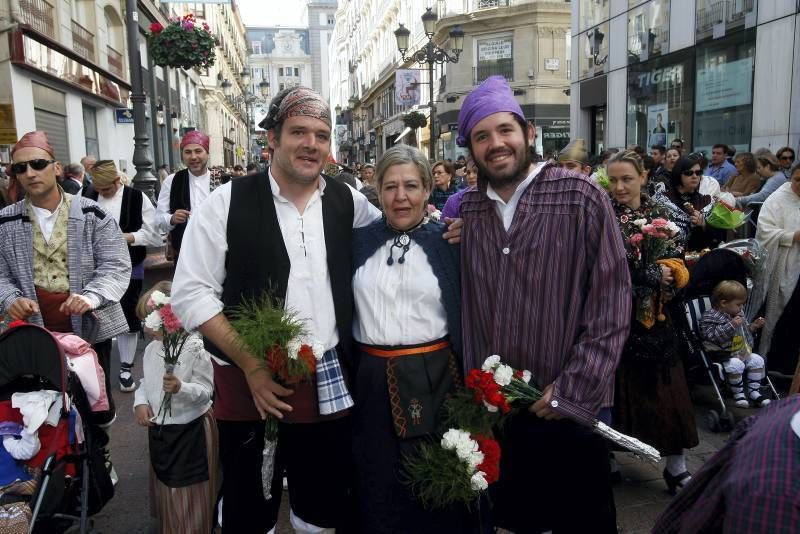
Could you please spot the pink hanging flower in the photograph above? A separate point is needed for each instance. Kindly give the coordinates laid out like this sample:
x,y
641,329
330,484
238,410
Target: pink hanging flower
x,y
206,27
187,25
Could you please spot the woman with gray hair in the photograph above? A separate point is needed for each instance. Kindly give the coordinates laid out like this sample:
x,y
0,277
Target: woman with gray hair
x,y
407,330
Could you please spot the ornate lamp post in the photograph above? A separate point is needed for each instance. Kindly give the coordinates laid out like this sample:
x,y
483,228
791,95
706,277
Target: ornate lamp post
x,y
431,55
248,99
144,179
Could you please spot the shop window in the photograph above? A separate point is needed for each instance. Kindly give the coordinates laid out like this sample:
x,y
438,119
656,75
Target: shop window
x,y
648,31
717,18
660,100
724,92
593,56
90,131
592,12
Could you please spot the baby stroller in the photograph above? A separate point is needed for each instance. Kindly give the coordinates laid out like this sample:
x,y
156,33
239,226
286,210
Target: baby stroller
x,y
70,481
718,265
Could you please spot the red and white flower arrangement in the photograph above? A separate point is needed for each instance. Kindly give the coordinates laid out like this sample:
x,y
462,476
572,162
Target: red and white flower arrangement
x,y
162,320
654,240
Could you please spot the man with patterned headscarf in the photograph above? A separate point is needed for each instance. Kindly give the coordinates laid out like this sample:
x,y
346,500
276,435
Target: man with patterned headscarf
x,y
575,158
545,285
285,233
63,264
185,190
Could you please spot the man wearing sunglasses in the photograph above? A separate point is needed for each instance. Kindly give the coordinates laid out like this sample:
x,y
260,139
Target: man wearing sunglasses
x,y
64,264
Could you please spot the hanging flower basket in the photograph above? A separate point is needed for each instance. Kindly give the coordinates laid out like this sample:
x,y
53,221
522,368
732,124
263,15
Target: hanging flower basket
x,y
415,119
182,44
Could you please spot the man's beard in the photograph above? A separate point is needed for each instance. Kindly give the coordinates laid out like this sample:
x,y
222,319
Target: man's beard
x,y
516,173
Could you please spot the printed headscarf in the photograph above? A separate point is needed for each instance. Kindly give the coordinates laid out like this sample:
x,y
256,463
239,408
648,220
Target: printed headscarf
x,y
104,173
195,137
293,102
35,139
494,95
574,151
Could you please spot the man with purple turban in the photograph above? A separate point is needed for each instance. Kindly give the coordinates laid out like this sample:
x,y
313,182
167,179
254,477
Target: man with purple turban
x,y
545,285
185,190
64,263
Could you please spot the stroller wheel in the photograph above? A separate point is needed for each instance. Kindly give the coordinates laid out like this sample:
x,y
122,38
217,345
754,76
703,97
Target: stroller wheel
x,y
712,417
727,422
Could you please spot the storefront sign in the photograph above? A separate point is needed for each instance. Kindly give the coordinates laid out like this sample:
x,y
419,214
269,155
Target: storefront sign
x,y
124,115
725,86
494,49
666,75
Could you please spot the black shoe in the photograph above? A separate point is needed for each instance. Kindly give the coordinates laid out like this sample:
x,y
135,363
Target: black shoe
x,y
126,381
676,483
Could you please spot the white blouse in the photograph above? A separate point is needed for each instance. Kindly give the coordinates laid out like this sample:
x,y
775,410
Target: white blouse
x,y
397,304
195,372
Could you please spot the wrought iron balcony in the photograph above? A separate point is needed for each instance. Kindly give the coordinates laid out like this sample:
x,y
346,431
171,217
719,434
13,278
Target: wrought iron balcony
x,y
39,15
504,69
82,41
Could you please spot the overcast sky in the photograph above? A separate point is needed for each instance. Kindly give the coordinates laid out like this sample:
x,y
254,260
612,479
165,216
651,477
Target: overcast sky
x,y
272,12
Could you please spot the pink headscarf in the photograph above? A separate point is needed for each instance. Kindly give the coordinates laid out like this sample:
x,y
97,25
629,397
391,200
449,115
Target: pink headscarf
x,y
35,139
195,137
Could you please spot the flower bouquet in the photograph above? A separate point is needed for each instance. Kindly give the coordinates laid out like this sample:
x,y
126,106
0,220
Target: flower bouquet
x,y
454,470
277,338
182,43
173,338
519,393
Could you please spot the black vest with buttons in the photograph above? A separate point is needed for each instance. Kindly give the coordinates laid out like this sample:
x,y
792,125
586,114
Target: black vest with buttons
x,y
130,218
257,262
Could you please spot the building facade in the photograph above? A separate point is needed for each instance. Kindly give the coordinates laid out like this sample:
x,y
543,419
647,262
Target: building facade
x,y
320,17
704,71
526,41
64,70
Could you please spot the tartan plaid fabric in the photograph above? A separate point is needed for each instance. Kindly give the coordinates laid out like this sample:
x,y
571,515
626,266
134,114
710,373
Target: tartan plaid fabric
x,y
331,387
750,485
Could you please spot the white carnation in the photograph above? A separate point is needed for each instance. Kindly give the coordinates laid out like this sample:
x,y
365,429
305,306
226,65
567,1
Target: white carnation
x,y
153,320
478,481
466,447
672,227
452,438
640,222
503,375
474,459
159,298
491,362
436,215
319,350
491,408
526,376
293,348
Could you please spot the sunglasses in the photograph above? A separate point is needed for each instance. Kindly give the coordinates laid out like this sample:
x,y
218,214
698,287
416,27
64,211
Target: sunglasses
x,y
689,173
787,158
36,164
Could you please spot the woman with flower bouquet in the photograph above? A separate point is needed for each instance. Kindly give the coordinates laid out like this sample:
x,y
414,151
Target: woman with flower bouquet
x,y
652,398
408,332
174,403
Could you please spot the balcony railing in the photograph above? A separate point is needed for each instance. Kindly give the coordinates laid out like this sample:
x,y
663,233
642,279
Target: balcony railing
x,y
39,15
505,69
115,62
730,12
82,41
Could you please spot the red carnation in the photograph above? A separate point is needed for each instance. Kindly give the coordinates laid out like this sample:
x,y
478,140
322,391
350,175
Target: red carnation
x,y
306,354
491,457
156,27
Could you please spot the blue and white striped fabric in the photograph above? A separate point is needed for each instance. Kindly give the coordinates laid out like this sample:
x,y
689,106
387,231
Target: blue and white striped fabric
x,y
331,387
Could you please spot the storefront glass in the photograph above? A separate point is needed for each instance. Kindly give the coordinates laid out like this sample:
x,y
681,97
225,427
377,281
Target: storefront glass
x,y
724,92
660,100
718,18
593,55
648,31
592,12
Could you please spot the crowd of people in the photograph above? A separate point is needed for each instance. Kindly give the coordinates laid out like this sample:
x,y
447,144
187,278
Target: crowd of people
x,y
408,273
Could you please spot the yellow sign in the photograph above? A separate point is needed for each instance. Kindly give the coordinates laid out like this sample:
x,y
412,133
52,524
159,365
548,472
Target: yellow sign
x,y
8,130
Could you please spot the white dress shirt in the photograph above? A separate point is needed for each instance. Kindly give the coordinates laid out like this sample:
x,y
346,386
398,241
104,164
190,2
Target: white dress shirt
x,y
47,218
195,372
505,210
398,304
147,234
199,275
199,189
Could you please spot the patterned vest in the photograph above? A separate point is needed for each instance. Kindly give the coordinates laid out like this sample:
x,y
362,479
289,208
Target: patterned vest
x,y
50,269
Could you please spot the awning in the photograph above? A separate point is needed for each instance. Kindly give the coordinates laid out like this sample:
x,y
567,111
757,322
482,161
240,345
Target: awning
x,y
402,134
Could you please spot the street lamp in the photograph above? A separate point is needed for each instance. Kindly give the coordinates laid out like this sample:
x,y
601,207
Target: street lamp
x,y
226,87
263,88
244,76
431,55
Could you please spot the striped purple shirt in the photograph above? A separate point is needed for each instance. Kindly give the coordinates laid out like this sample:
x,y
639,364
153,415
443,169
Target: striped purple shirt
x,y
553,294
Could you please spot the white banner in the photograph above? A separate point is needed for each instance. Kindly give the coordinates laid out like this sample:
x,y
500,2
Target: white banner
x,y
406,87
494,49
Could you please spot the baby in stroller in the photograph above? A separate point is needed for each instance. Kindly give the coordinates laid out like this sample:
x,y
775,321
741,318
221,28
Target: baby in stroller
x,y
728,337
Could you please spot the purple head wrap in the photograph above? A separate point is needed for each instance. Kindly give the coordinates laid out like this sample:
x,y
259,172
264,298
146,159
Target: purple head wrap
x,y
492,96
